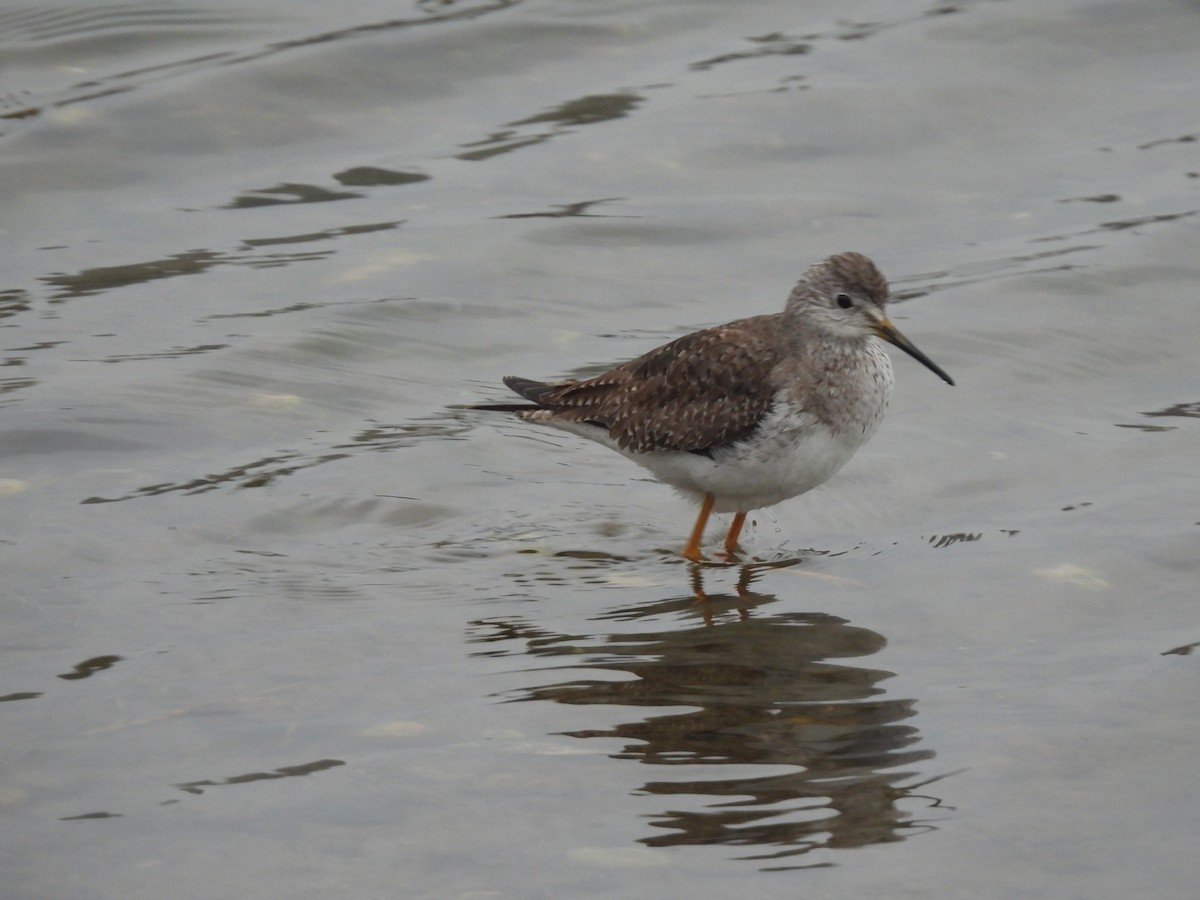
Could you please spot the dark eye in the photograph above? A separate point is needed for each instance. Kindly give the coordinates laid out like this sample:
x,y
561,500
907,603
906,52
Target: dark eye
x,y
844,301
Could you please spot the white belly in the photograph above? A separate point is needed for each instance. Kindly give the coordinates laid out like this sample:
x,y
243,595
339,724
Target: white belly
x,y
761,471
787,456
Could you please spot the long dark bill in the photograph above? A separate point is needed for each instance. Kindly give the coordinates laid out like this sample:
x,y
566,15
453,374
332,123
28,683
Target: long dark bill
x,y
892,335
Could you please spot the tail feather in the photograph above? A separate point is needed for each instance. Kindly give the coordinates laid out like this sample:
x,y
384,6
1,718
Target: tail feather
x,y
540,407
531,390
528,388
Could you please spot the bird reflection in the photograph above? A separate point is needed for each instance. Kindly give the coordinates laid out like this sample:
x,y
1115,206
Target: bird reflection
x,y
763,690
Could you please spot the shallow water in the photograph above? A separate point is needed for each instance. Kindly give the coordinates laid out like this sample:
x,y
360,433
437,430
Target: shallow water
x,y
282,620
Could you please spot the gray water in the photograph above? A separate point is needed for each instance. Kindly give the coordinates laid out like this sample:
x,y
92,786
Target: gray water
x,y
282,620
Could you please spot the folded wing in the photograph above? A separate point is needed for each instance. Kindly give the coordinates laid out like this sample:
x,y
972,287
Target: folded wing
x,y
697,393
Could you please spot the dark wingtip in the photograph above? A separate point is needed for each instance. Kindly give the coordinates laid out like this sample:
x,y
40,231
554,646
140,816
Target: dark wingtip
x,y
528,388
517,383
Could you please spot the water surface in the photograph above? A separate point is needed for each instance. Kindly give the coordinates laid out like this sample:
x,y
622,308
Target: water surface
x,y
281,620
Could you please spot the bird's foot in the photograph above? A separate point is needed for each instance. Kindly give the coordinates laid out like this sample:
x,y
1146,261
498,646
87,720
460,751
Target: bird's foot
x,y
731,556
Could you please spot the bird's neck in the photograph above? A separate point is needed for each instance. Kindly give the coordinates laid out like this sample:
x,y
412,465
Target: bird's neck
x,y
850,380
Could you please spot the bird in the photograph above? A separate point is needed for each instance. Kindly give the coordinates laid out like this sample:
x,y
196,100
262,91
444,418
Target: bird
x,y
748,414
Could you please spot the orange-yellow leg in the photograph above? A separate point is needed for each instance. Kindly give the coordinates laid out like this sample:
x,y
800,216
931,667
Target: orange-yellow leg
x,y
735,529
692,550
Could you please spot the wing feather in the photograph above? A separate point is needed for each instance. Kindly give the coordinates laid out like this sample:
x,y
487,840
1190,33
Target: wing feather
x,y
698,392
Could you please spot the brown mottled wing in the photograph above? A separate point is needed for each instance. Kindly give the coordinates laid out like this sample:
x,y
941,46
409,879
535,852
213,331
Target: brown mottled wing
x,y
698,392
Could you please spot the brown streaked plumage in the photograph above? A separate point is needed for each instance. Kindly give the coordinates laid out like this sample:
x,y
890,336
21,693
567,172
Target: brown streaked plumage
x,y
697,392
749,413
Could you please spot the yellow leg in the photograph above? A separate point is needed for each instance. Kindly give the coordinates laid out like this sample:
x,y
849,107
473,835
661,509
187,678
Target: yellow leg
x,y
692,550
735,529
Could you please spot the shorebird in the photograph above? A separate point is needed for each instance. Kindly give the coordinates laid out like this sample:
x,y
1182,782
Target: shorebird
x,y
750,413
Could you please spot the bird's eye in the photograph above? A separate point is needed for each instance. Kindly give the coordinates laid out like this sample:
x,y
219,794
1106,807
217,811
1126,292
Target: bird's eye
x,y
844,301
